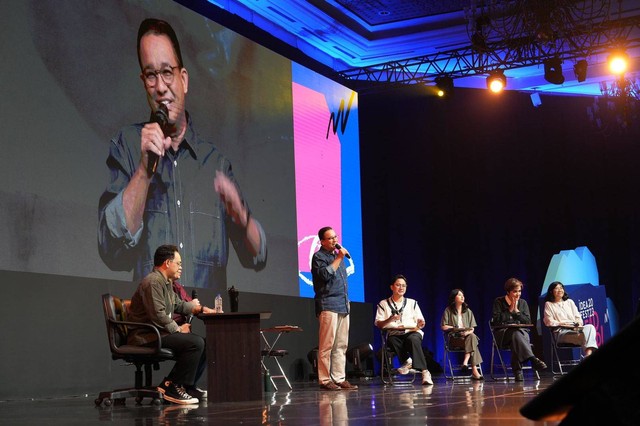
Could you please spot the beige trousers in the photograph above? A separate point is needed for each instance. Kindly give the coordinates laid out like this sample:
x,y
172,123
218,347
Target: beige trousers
x,y
332,346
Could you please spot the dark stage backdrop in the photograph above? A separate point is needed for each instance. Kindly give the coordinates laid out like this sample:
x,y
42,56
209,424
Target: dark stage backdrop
x,y
468,191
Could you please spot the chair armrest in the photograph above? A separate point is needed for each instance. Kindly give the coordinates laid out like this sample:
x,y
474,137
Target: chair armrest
x,y
158,345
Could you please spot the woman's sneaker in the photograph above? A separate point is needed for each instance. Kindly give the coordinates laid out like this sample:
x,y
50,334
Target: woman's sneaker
x,y
175,393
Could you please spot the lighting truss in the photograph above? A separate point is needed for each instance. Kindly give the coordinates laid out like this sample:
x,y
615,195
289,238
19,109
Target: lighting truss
x,y
619,106
623,87
512,53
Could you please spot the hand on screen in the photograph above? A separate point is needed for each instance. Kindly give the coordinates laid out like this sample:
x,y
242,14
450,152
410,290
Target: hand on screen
x,y
231,198
152,140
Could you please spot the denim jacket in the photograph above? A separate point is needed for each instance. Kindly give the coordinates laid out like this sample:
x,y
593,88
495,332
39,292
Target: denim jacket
x,y
330,286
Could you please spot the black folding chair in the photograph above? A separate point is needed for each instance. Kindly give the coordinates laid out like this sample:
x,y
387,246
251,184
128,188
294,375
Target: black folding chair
x,y
499,348
566,347
452,346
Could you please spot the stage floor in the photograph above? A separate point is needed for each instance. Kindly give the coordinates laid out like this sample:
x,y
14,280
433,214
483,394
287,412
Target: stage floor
x,y
452,403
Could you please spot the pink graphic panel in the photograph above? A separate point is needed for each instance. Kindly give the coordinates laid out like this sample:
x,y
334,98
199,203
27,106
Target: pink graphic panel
x,y
317,163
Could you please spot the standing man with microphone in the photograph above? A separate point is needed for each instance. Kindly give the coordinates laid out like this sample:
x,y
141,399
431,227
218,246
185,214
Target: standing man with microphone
x,y
332,309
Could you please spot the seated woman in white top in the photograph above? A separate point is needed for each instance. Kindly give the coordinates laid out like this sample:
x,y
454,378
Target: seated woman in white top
x,y
560,311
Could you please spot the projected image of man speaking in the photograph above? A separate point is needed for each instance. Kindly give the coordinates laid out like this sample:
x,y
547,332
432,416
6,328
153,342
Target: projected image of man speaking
x,y
169,186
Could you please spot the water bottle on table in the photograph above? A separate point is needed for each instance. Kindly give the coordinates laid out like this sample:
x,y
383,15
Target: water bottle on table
x,y
218,304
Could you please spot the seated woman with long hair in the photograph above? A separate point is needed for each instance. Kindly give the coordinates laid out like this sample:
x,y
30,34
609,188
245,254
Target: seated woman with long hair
x,y
457,315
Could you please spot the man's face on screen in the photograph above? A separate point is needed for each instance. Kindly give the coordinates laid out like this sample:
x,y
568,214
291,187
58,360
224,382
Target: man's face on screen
x,y
164,81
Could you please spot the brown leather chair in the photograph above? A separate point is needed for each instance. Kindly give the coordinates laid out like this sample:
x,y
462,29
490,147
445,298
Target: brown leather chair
x,y
149,357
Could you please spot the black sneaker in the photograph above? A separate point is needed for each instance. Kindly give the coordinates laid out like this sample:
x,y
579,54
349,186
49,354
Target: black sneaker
x,y
175,393
196,392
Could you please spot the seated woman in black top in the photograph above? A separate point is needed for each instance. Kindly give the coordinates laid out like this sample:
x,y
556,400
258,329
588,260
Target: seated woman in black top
x,y
512,309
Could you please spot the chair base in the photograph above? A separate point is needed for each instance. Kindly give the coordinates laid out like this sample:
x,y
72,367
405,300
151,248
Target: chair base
x,y
506,375
496,355
119,396
450,374
562,365
557,361
392,377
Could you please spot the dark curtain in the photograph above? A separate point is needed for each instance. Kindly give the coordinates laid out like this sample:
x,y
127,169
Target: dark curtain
x,y
468,191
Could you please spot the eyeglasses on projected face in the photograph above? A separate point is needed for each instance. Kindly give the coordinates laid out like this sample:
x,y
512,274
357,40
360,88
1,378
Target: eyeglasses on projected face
x,y
151,76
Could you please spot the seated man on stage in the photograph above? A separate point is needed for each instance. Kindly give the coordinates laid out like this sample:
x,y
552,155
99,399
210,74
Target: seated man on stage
x,y
402,319
512,309
154,302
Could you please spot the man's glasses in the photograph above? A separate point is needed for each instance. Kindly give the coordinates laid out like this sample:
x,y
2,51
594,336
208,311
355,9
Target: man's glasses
x,y
335,237
151,76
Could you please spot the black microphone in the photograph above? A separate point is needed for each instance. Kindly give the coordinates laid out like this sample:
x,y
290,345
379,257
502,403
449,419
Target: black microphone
x,y
160,116
194,295
347,255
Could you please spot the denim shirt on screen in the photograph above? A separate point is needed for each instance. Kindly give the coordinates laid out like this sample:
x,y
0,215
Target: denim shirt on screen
x,y
182,208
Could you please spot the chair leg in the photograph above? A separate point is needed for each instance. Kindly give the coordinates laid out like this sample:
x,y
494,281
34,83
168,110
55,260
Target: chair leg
x,y
495,350
138,376
555,359
147,375
385,369
447,363
284,376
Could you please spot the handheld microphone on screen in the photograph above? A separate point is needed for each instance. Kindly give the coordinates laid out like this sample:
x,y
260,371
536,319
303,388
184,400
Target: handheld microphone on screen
x,y
160,116
194,295
338,246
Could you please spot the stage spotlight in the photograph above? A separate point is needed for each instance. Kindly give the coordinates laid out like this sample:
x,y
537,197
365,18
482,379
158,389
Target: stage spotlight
x,y
580,70
618,62
553,71
444,83
312,356
359,355
496,82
